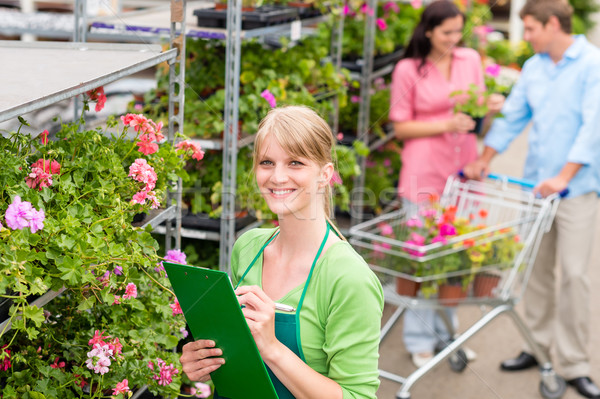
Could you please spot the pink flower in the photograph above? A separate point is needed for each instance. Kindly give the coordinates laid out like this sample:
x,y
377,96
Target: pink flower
x,y
447,229
183,332
166,373
44,137
130,291
346,9
98,338
417,239
391,5
21,214
365,9
439,238
176,307
97,95
175,256
416,3
335,179
200,390
493,70
99,359
122,387
196,150
57,364
340,136
147,147
115,346
381,24
141,171
354,99
386,229
5,363
41,173
267,95
414,222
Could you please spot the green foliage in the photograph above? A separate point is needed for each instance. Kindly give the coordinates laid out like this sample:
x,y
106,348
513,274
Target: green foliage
x,y
89,247
400,20
583,10
471,102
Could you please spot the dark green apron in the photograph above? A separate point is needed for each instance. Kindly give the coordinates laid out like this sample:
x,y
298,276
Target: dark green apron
x,y
287,325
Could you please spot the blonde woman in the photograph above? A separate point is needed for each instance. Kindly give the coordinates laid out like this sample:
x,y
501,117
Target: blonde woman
x,y
328,347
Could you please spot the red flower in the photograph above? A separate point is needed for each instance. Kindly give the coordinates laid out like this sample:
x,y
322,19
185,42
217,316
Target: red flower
x,y
5,363
44,137
483,213
57,364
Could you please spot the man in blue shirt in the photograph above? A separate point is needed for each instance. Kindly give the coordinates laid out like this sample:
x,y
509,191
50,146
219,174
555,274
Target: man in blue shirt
x,y
559,93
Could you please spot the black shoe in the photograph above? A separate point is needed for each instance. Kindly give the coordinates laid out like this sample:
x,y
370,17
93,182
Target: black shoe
x,y
522,362
585,386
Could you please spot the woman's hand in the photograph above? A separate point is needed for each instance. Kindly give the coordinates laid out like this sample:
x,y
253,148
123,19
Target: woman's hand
x,y
259,311
495,102
198,359
460,123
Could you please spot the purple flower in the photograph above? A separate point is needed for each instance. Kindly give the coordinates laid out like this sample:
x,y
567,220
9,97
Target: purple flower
x,y
118,270
21,214
267,95
175,256
37,220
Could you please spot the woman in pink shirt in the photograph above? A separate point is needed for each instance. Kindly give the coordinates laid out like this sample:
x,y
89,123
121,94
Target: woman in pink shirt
x,y
436,142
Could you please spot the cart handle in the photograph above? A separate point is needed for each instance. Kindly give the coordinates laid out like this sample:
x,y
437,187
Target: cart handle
x,y
514,180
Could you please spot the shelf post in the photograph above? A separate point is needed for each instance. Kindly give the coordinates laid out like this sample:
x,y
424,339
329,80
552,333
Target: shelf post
x,y
230,136
176,106
358,193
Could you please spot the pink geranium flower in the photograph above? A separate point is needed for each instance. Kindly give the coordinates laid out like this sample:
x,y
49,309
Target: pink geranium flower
x,y
21,214
98,338
122,387
200,390
44,137
176,307
141,171
267,95
176,256
381,24
5,363
196,150
98,96
165,373
130,291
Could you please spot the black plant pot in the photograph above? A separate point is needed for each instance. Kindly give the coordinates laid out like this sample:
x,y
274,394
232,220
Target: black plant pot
x,y
478,126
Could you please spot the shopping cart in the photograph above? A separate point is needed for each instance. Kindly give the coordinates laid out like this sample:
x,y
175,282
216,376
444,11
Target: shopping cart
x,y
492,232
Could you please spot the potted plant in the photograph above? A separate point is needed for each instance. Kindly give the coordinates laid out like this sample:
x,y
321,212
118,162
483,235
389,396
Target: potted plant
x,y
66,208
473,103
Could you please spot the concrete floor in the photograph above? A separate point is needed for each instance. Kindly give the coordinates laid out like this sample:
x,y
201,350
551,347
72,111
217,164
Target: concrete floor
x,y
496,342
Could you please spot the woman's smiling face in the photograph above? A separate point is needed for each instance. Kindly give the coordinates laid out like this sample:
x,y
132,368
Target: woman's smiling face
x,y
290,185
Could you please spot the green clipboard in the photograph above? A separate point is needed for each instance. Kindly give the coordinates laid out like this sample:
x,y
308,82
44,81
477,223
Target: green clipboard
x,y
213,312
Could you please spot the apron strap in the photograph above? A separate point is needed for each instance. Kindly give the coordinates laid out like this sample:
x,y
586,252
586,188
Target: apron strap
x,y
312,268
256,257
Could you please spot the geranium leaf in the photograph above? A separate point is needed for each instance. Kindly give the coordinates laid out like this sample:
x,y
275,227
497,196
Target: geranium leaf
x,y
35,314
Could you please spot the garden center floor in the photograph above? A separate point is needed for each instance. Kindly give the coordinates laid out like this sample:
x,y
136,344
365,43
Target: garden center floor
x,y
497,341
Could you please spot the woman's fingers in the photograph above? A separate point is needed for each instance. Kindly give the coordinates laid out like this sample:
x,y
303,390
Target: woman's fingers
x,y
200,358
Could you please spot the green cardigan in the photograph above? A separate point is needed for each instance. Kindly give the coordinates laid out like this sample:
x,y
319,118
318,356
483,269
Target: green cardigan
x,y
340,319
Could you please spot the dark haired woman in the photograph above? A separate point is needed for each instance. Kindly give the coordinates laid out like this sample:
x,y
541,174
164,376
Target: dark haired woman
x,y
436,142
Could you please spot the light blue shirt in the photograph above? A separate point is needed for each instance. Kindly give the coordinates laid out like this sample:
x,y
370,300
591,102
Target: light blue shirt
x,y
563,102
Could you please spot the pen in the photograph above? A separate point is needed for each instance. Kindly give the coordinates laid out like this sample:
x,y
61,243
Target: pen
x,y
284,308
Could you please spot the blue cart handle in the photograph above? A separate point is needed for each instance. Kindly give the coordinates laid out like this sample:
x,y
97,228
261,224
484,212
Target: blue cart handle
x,y
514,180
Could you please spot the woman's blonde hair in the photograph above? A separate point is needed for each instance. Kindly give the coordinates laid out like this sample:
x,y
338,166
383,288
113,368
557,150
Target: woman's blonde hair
x,y
301,132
